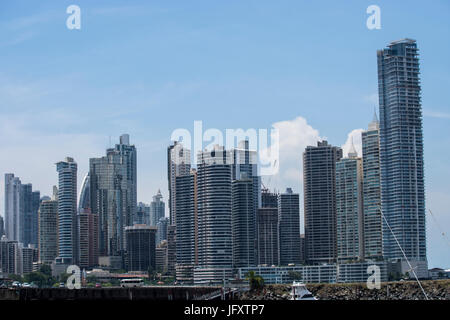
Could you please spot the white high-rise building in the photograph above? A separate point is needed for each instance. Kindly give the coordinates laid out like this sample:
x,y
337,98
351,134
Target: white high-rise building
x,y
215,256
12,207
178,164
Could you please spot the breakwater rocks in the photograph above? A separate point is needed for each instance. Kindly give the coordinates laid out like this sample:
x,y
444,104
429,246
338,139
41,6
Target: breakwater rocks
x,y
407,290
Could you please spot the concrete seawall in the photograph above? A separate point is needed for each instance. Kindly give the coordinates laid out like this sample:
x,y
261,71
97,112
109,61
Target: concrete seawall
x,y
143,293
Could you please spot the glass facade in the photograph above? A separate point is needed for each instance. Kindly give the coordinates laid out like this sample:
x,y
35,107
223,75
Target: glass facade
x,y
349,209
113,195
157,209
243,224
289,227
67,211
214,177
373,248
48,231
319,183
401,151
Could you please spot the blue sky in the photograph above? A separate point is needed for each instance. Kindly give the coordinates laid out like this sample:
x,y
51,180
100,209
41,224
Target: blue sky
x,y
149,67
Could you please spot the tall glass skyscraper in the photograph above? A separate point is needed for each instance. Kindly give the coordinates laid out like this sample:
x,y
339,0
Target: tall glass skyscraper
x,y
113,195
373,221
187,227
215,255
289,227
157,209
243,224
319,183
349,208
12,207
401,151
245,166
178,164
267,229
29,207
143,214
84,201
48,230
67,211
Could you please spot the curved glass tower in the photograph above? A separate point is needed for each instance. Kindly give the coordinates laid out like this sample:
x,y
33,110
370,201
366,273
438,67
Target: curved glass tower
x,y
85,197
67,210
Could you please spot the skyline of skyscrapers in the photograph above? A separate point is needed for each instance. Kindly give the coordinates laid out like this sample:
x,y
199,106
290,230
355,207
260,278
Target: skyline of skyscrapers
x,y
220,220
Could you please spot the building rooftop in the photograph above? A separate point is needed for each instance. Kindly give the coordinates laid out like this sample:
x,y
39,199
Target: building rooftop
x,y
404,40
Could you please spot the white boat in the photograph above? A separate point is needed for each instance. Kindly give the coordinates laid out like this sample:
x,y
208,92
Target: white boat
x,y
299,292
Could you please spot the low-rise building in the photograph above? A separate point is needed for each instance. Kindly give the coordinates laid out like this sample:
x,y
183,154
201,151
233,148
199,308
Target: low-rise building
x,y
324,273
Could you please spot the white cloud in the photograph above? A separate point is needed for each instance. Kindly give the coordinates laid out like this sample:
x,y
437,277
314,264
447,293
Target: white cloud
x,y
434,114
295,135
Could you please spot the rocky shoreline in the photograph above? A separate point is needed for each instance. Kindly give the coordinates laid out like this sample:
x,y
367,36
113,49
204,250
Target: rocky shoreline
x,y
407,290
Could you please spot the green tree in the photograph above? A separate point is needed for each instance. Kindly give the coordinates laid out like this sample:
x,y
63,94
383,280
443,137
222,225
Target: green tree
x,y
37,278
15,277
151,273
46,270
256,282
91,279
63,277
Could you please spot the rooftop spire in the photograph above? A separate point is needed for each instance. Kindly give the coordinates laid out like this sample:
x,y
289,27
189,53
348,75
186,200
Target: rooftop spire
x,y
375,117
352,152
374,125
